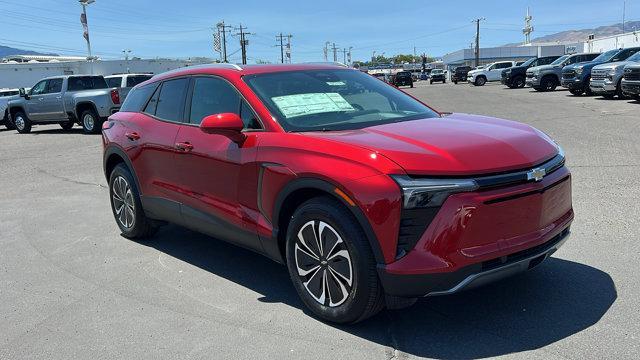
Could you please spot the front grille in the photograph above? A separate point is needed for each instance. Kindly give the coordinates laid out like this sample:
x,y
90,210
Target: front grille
x,y
569,74
598,75
529,75
632,74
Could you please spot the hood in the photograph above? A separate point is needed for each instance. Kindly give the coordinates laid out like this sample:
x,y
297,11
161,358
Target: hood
x,y
459,144
544,67
585,65
613,65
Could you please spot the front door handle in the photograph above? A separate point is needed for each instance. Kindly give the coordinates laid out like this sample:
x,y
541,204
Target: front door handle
x,y
184,146
132,136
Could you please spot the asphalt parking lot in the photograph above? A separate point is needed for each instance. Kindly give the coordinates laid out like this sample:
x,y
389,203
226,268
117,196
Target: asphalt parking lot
x,y
72,287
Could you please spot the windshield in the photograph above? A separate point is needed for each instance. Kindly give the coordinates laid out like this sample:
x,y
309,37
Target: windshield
x,y
606,56
560,60
635,57
528,62
334,99
437,71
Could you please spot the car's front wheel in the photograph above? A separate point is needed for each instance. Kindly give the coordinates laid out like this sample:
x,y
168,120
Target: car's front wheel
x,y
127,207
480,81
67,125
22,123
331,263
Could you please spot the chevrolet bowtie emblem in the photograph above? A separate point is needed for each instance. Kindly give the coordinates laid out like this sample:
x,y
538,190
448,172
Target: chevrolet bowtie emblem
x,y
536,174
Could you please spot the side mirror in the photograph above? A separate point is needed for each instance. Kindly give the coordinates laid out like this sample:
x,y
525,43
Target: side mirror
x,y
226,124
22,92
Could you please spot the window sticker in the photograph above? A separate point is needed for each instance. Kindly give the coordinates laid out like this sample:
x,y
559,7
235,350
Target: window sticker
x,y
336,83
308,104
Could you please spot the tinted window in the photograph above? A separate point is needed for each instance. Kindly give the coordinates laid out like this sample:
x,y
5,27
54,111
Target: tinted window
x,y
54,86
624,54
503,65
114,82
212,96
86,83
151,105
39,88
135,80
545,61
137,98
249,118
171,100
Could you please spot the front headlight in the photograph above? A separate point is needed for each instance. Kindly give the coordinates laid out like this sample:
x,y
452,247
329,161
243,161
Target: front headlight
x,y
579,71
431,192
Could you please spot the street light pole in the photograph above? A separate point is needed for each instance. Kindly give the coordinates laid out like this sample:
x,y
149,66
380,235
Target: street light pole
x,y
85,25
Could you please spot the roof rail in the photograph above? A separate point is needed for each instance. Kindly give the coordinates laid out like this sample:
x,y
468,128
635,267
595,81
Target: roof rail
x,y
326,63
203,66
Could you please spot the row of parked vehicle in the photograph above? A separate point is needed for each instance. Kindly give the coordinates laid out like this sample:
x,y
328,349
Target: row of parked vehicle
x,y
86,100
609,74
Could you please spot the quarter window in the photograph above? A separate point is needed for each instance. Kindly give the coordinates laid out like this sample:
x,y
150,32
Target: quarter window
x,y
212,96
171,99
137,98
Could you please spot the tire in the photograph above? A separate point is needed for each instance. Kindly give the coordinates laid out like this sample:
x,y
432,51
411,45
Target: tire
x,y
518,82
127,207
431,82
67,125
444,81
411,85
7,123
576,92
91,123
455,82
636,97
22,122
538,88
480,81
548,84
608,96
619,92
339,285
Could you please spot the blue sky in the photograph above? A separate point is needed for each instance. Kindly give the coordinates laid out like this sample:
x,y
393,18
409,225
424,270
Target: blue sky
x,y
183,28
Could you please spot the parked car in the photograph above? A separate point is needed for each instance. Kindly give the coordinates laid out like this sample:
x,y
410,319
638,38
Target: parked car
x,y
606,79
437,75
333,173
491,72
5,96
125,82
516,77
631,81
577,77
65,100
547,77
460,74
403,78
424,76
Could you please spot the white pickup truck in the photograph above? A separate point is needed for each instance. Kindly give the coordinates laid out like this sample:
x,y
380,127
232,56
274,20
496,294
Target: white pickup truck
x,y
490,72
125,82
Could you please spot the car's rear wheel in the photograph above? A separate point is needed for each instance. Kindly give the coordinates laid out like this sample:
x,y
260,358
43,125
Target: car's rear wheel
x,y
22,123
331,264
7,123
90,122
127,207
619,92
576,92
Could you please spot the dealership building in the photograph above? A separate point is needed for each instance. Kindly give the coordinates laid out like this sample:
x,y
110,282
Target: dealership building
x,y
508,53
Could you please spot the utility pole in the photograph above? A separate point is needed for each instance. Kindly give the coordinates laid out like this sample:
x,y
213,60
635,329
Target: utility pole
x,y
335,52
243,43
477,21
624,15
85,25
326,51
222,28
283,47
528,28
288,49
281,38
349,56
344,55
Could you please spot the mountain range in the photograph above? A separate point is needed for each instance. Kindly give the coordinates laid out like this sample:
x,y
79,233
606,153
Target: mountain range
x,y
6,51
570,36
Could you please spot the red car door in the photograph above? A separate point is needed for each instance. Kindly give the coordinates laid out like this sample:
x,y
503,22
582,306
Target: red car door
x,y
153,133
218,177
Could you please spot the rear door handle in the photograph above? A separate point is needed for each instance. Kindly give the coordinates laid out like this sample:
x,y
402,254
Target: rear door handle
x,y
184,146
132,136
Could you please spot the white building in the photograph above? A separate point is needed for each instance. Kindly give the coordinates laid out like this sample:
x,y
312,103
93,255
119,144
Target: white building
x,y
627,40
26,74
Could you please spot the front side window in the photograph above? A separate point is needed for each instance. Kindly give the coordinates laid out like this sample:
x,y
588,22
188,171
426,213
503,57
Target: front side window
x,y
114,81
333,99
54,86
137,79
39,88
212,96
171,99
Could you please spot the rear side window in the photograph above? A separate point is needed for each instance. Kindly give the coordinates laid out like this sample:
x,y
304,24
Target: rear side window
x,y
171,99
114,82
212,96
137,98
135,80
86,83
54,86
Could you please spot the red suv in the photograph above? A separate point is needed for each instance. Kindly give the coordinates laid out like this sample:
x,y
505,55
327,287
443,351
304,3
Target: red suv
x,y
369,196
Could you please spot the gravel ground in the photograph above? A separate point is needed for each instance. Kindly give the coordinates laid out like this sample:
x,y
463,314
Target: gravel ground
x,y
72,288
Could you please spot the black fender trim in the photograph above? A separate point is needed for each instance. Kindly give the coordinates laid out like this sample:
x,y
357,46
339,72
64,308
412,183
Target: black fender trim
x,y
271,247
114,150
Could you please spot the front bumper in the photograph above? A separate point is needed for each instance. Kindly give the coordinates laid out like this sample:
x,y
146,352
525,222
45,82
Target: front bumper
x,y
574,84
631,87
483,236
533,81
602,87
